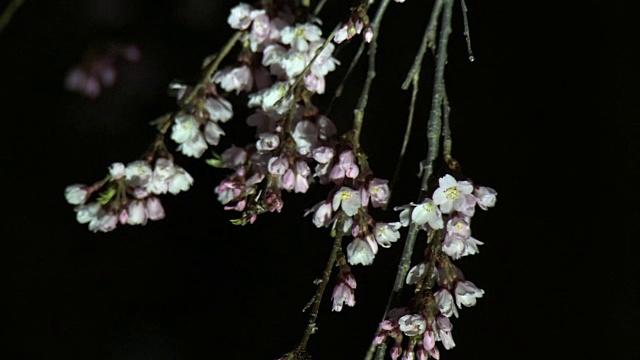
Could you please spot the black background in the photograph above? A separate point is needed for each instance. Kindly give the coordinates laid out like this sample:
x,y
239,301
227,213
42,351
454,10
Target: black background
x,y
547,115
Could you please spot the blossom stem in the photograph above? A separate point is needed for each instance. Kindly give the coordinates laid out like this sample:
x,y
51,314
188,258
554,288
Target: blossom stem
x,y
306,68
210,68
8,13
467,33
352,65
317,297
413,78
428,42
319,7
358,113
434,132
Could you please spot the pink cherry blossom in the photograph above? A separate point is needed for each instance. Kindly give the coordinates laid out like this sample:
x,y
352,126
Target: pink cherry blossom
x,y
450,195
444,299
444,330
379,191
342,294
426,212
485,196
348,199
234,78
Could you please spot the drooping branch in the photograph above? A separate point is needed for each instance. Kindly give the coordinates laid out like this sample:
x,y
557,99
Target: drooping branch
x,y
434,132
413,78
316,300
358,113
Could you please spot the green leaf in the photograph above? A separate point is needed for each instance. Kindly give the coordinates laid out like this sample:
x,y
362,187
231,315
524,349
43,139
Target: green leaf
x,y
106,195
240,221
217,163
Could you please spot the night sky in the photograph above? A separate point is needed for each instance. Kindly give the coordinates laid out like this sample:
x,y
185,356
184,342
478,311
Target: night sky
x,y
547,115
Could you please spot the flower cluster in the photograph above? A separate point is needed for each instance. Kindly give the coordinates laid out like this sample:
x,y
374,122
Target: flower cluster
x,y
446,218
100,70
455,202
127,194
277,51
352,195
207,113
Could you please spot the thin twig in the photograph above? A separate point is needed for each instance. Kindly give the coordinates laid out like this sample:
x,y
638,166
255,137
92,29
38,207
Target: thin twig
x,y
407,135
413,77
358,113
317,297
319,7
428,41
467,33
352,66
8,13
210,68
434,131
306,68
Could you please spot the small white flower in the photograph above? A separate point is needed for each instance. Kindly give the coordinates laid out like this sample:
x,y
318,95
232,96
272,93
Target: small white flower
x,y
138,173
386,233
305,135
117,171
194,147
467,293
237,78
219,109
300,36
426,212
485,196
444,299
76,194
349,199
180,181
267,142
86,213
185,128
212,132
412,324
359,252
240,17
416,273
137,213
451,194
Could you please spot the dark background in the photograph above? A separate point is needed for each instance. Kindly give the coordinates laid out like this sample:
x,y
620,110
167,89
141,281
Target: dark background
x,y
547,115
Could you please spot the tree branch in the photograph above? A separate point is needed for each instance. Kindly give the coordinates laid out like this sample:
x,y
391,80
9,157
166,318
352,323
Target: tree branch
x,y
434,131
358,113
316,300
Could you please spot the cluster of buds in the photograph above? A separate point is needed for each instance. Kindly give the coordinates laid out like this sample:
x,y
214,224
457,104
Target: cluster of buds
x,y
445,218
276,52
422,333
127,194
207,113
354,191
99,70
357,24
344,290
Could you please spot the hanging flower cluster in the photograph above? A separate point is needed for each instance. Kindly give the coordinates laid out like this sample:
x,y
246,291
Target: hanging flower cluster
x,y
127,194
446,219
99,70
